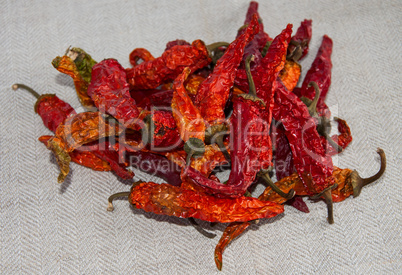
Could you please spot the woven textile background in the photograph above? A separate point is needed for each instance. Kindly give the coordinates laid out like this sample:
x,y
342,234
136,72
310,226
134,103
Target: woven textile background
x,y
47,228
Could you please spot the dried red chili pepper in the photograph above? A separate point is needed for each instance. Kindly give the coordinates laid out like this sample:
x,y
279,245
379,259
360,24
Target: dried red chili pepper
x,y
153,98
290,74
313,165
110,92
163,131
188,118
151,74
320,73
299,43
77,130
175,201
84,158
49,107
214,90
140,54
78,65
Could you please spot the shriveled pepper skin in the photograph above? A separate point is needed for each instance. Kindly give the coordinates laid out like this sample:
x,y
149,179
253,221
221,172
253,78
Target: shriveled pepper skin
x,y
53,110
187,116
302,37
175,201
151,74
320,73
290,74
309,155
110,92
165,133
343,139
214,91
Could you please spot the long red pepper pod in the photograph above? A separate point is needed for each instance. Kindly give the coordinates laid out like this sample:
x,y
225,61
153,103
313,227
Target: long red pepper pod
x,y
84,158
174,201
302,37
53,110
187,116
320,73
153,73
214,90
309,156
110,92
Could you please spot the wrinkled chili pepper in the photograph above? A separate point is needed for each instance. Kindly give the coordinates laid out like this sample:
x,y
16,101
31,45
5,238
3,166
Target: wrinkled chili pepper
x,y
49,107
175,201
163,131
77,130
140,54
290,74
320,73
78,65
214,90
313,165
299,43
188,118
151,74
84,158
110,92
254,47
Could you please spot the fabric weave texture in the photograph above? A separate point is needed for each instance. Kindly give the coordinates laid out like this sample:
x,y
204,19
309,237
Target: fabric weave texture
x,y
47,228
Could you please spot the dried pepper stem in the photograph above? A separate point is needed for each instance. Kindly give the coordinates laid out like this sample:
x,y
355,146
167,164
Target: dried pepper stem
x,y
326,194
358,183
114,196
200,229
267,179
25,87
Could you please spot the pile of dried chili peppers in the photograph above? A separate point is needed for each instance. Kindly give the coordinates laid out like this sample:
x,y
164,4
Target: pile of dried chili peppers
x,y
199,109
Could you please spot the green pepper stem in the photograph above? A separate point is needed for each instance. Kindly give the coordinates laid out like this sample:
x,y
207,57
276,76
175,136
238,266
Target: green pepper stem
x,y
114,196
214,46
251,90
275,188
189,157
25,87
200,229
358,183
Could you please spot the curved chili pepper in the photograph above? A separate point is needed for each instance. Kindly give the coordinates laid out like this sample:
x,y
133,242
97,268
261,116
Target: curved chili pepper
x,y
214,90
78,65
175,201
188,118
49,107
151,74
290,74
153,98
342,140
110,92
140,54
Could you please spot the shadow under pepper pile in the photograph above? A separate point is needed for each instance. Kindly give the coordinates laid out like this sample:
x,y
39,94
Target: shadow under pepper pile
x,y
199,108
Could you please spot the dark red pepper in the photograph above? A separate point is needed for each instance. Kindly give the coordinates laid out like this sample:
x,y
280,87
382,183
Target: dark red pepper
x,y
110,92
